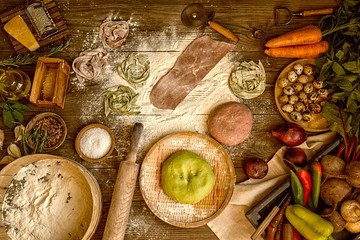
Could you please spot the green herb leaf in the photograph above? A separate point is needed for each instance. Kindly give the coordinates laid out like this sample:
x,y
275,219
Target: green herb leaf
x,y
13,112
344,85
351,77
20,107
350,4
340,54
351,105
4,105
23,142
325,70
9,119
356,94
338,69
19,117
352,67
339,95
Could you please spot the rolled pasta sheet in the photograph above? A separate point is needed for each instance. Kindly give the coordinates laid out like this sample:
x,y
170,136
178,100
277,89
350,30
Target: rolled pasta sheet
x,y
113,33
90,64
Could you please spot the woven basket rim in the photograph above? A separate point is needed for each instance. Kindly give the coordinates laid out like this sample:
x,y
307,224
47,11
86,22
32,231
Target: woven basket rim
x,y
230,189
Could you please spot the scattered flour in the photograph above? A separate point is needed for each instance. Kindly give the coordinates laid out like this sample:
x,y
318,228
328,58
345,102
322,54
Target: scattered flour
x,y
190,115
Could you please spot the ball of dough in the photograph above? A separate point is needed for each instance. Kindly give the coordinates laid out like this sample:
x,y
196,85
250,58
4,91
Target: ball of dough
x,y
230,123
186,177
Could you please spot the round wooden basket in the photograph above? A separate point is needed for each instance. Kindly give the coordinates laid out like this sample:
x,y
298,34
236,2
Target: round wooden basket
x,y
179,214
8,172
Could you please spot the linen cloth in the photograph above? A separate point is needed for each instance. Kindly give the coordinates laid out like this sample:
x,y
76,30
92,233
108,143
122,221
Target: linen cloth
x,y
232,222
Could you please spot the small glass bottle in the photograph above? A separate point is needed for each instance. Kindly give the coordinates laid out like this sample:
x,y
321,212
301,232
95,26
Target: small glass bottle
x,y
40,18
14,84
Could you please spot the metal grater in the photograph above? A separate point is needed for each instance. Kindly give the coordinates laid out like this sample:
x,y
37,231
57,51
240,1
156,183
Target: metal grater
x,y
41,19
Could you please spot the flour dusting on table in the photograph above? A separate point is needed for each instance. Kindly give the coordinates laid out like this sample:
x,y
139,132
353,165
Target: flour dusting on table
x,y
190,115
48,199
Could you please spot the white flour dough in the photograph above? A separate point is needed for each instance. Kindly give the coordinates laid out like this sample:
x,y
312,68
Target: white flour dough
x,y
48,199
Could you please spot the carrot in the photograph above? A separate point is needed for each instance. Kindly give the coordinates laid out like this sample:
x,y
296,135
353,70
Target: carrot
x,y
306,35
301,51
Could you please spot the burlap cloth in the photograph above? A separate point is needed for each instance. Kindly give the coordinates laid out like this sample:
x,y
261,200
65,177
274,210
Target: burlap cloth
x,y
232,222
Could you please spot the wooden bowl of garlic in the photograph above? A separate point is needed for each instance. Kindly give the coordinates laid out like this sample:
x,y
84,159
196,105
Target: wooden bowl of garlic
x,y
95,142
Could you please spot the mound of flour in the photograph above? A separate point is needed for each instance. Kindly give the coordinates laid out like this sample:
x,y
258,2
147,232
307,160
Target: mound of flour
x,y
48,199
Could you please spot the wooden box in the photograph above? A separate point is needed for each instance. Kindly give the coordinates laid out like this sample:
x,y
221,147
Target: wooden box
x,y
50,83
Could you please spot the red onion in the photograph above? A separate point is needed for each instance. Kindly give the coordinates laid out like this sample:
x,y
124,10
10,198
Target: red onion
x,y
290,134
255,168
296,156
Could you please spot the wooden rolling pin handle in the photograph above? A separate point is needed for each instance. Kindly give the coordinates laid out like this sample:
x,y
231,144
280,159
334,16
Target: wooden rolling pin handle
x,y
223,31
123,191
317,12
134,143
121,201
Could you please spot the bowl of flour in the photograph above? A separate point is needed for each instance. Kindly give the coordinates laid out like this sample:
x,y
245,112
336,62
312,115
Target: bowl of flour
x,y
48,197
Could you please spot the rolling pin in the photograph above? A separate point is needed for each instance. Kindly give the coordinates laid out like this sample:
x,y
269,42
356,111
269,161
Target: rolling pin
x,y
123,190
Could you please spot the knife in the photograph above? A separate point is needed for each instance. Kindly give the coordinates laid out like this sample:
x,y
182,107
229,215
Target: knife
x,y
271,217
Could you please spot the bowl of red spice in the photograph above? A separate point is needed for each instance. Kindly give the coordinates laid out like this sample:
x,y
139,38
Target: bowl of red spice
x,y
45,132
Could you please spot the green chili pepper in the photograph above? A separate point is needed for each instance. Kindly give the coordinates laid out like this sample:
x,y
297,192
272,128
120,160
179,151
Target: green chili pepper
x,y
297,189
309,224
305,179
316,173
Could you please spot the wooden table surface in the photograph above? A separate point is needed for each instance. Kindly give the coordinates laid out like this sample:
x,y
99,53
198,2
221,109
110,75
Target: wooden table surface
x,y
160,21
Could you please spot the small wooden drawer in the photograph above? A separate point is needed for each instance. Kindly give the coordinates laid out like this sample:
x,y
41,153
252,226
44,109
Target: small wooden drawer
x,y
50,83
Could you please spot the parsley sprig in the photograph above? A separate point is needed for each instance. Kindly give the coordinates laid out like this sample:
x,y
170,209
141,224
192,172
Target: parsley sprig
x,y
13,112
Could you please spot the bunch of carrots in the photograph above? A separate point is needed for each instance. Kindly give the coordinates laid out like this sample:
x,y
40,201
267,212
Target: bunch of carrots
x,y
305,42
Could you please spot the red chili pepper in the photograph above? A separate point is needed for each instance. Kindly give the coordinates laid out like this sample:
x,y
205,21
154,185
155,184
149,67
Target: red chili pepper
x,y
305,179
296,235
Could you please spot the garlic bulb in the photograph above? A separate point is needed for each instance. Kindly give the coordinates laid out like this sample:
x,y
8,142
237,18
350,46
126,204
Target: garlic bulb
x,y
13,150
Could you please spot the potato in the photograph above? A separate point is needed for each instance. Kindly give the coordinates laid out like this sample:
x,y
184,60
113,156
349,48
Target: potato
x,y
335,218
230,123
334,191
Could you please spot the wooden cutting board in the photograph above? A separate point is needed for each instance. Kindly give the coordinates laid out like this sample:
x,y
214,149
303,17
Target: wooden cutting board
x,y
61,36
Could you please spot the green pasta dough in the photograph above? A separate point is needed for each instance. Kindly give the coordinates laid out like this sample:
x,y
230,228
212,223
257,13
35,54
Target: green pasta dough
x,y
186,177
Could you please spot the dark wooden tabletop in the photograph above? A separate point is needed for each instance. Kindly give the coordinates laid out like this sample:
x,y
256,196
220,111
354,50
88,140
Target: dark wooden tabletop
x,y
84,104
